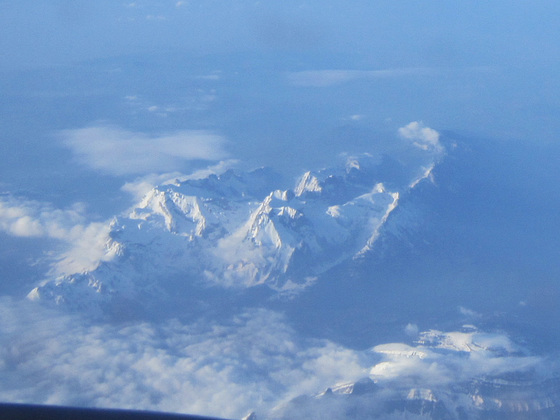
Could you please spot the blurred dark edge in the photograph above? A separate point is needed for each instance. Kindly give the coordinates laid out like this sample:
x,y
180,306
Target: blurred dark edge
x,y
47,412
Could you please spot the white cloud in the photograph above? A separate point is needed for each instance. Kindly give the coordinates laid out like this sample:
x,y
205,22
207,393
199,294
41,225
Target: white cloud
x,y
140,186
86,243
34,219
252,361
116,151
423,137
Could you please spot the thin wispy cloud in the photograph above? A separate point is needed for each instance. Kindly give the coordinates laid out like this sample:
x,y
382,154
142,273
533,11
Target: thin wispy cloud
x,y
199,100
141,185
116,151
325,78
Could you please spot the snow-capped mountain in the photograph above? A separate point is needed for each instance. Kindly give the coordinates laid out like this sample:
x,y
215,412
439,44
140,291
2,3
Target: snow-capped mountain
x,y
494,398
494,379
236,230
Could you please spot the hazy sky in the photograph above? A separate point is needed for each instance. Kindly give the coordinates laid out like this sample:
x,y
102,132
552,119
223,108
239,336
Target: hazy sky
x,y
101,100
270,79
407,33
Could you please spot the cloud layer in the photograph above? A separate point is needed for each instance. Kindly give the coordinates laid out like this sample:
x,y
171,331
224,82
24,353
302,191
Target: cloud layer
x,y
115,151
251,362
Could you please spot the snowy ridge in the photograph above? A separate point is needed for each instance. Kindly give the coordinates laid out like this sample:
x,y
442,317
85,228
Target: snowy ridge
x,y
236,230
495,380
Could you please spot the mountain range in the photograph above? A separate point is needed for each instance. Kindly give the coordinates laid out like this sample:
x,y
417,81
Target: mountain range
x,y
235,230
329,252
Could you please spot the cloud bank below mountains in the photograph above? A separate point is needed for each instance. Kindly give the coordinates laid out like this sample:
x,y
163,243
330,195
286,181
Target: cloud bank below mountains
x,y
116,151
252,362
